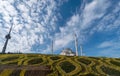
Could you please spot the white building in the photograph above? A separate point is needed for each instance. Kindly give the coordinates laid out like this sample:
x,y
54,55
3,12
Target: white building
x,y
67,52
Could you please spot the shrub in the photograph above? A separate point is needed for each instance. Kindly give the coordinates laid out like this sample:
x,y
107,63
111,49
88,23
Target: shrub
x,y
13,63
85,61
115,63
118,59
55,58
110,71
32,55
89,74
35,61
94,68
67,66
94,58
10,58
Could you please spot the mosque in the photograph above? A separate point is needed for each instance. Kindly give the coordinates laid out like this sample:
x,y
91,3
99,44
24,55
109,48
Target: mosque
x,y
67,52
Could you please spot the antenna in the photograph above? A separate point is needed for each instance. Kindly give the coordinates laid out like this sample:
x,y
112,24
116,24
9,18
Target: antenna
x,y
76,44
81,50
7,37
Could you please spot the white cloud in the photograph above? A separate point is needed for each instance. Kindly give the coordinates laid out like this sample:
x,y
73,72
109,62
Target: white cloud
x,y
106,44
109,48
93,11
110,21
31,19
110,53
61,42
74,20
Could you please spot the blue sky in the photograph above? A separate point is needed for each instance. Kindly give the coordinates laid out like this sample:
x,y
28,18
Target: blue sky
x,y
37,22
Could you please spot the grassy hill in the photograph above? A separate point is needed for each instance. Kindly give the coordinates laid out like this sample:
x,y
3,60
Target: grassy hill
x,y
59,65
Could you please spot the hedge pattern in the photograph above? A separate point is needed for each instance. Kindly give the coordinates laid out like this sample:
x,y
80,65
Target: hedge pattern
x,y
62,65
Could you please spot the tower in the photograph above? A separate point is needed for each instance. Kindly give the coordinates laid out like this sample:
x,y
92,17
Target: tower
x,y
7,38
76,44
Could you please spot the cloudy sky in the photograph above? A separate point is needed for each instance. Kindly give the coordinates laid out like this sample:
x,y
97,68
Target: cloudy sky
x,y
37,22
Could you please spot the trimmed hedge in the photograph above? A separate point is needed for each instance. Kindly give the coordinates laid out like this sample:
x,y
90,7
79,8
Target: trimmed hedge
x,y
13,63
35,61
85,61
89,74
94,68
115,63
67,66
110,71
96,58
55,58
10,58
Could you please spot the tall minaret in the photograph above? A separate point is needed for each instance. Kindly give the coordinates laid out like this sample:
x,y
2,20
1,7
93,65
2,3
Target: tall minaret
x,y
81,50
7,38
76,44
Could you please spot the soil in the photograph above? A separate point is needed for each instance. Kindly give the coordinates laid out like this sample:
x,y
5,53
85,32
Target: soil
x,y
37,70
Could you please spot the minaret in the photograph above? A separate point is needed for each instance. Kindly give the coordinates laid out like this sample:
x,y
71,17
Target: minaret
x,y
76,44
81,50
7,38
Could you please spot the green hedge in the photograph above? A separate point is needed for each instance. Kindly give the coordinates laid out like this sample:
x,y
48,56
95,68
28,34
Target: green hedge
x,y
10,58
13,63
85,61
54,57
67,66
35,61
115,63
110,71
